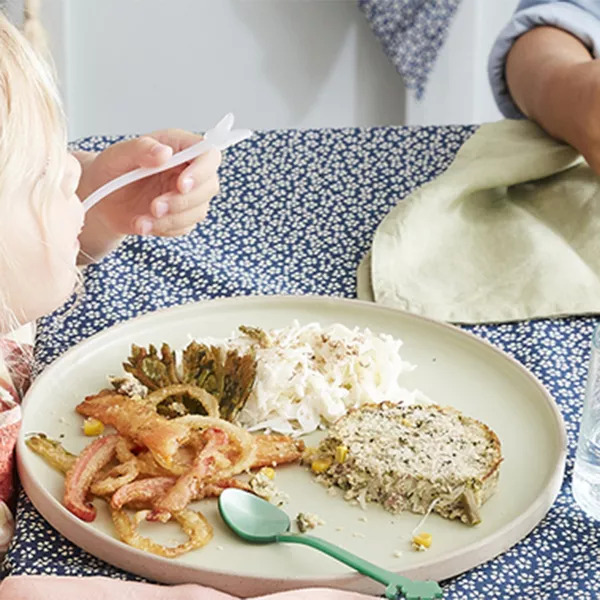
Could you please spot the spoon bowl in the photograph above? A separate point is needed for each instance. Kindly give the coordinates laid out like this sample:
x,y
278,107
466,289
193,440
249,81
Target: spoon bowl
x,y
251,517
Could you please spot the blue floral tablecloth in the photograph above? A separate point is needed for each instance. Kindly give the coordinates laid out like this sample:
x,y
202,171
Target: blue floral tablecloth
x,y
411,33
296,213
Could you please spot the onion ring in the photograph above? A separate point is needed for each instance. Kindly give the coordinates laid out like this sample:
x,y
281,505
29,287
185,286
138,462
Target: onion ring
x,y
141,490
244,439
208,401
123,450
206,464
194,524
117,477
148,466
214,488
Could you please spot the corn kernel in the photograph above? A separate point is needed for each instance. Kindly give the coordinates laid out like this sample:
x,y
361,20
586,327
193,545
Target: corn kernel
x,y
92,426
268,472
309,453
406,423
422,539
341,453
320,465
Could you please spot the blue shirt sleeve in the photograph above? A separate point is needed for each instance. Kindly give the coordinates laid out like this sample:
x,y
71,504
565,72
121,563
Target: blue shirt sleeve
x,y
581,18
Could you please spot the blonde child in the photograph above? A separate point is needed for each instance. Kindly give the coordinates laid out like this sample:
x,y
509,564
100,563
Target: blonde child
x,y
44,233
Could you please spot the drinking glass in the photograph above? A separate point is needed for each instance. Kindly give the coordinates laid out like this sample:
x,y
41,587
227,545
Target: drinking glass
x,y
586,475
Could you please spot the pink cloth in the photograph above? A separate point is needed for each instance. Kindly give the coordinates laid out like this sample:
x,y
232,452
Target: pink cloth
x,y
101,588
15,363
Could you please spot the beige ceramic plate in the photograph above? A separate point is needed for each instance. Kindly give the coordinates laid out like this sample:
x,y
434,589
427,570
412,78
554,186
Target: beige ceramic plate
x,y
453,368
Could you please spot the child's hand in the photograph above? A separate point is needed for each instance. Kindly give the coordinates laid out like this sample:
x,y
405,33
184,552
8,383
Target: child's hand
x,y
167,204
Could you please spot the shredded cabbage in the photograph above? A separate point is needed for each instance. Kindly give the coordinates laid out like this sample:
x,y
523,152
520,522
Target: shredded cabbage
x,y
310,375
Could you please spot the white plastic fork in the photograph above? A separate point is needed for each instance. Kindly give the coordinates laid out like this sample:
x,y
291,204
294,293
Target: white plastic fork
x,y
221,136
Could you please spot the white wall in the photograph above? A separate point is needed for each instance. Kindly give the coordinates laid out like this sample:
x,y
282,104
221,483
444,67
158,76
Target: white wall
x,y
139,65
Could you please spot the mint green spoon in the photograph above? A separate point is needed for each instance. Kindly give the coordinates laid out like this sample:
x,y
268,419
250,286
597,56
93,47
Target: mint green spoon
x,y
255,520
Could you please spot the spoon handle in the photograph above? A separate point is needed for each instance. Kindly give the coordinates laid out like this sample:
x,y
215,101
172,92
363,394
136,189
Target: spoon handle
x,y
220,137
115,184
412,590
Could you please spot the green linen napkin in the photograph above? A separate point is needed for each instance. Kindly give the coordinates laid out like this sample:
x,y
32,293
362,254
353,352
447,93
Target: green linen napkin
x,y
510,231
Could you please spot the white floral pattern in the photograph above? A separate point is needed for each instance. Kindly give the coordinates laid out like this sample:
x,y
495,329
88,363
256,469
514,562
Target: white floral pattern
x,y
296,214
411,33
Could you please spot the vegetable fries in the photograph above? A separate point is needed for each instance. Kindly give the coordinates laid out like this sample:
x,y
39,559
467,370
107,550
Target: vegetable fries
x,y
158,466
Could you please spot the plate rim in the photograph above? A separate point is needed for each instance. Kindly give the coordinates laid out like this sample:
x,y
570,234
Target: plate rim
x,y
499,541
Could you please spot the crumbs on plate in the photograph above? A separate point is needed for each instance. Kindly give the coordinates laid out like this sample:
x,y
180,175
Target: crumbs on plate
x,y
306,521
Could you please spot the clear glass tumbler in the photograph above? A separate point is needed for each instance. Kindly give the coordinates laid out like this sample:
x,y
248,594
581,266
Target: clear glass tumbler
x,y
586,476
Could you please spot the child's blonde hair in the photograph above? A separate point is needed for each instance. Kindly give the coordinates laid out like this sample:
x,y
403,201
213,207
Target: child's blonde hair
x,y
32,124
33,135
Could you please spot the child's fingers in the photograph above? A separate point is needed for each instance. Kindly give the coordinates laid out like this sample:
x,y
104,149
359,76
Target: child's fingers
x,y
178,139
149,152
131,154
201,169
180,222
174,214
179,232
173,203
